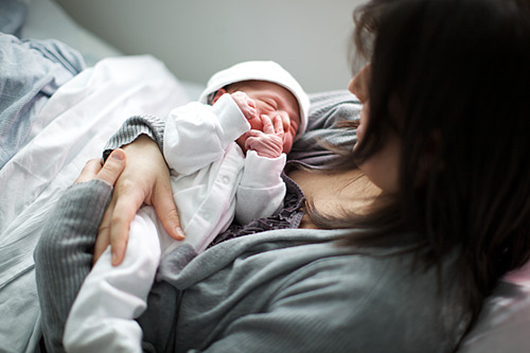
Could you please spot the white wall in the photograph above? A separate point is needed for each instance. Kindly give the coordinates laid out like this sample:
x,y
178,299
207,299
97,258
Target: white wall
x,y
195,38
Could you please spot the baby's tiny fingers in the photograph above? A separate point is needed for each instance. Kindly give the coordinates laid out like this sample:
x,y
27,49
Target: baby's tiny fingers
x,y
252,113
251,103
267,124
278,125
254,133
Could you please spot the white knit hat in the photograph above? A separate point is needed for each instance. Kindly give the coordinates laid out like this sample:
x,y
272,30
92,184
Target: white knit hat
x,y
261,71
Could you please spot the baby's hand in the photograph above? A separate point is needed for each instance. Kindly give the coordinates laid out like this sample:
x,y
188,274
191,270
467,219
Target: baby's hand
x,y
269,142
246,104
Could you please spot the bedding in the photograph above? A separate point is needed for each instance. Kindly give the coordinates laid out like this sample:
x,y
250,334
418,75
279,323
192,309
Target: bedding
x,y
47,136
31,72
78,119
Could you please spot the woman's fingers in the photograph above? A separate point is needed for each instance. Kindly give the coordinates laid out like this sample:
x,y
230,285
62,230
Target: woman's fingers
x,y
166,210
113,167
125,209
114,228
103,238
89,172
110,172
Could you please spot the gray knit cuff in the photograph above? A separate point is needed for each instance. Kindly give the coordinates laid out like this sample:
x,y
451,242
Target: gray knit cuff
x,y
135,126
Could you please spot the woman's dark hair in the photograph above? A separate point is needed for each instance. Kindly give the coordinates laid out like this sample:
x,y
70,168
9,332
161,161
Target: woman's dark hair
x,y
460,72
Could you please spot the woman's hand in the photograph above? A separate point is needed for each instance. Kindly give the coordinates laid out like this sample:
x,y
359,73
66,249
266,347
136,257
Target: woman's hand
x,y
145,179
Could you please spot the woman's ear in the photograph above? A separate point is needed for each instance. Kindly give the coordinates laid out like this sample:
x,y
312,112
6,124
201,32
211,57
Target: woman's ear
x,y
218,95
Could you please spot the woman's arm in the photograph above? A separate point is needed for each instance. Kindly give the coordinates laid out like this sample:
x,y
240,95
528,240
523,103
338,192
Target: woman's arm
x,y
63,256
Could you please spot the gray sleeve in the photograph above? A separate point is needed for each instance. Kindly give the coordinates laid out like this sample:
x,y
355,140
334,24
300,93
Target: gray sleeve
x,y
135,126
63,255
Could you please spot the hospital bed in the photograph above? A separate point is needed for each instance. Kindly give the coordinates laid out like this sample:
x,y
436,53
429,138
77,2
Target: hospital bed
x,y
73,126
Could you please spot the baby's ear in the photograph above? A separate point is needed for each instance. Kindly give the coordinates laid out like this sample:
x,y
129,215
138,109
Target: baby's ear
x,y
218,95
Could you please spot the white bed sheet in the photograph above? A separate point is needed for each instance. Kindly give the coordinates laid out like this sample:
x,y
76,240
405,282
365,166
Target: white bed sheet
x,y
77,121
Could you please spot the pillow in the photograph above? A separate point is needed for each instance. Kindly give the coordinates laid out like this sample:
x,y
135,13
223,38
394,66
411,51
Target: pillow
x,y
504,323
12,16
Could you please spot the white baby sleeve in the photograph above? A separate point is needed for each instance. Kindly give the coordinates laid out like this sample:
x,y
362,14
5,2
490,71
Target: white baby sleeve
x,y
261,190
197,135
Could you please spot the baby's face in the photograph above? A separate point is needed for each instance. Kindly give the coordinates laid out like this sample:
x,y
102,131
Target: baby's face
x,y
272,100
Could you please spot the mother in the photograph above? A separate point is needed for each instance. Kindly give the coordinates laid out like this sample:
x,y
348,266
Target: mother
x,y
402,237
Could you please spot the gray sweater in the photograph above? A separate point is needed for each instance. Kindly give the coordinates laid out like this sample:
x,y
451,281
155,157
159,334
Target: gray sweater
x,y
289,290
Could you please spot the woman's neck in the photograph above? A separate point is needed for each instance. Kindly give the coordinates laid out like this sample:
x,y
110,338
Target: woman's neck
x,y
334,193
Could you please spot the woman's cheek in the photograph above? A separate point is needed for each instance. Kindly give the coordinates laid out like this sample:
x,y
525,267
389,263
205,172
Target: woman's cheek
x,y
362,122
360,132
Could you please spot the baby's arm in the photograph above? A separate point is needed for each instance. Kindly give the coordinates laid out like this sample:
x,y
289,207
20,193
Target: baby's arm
x,y
262,190
197,135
